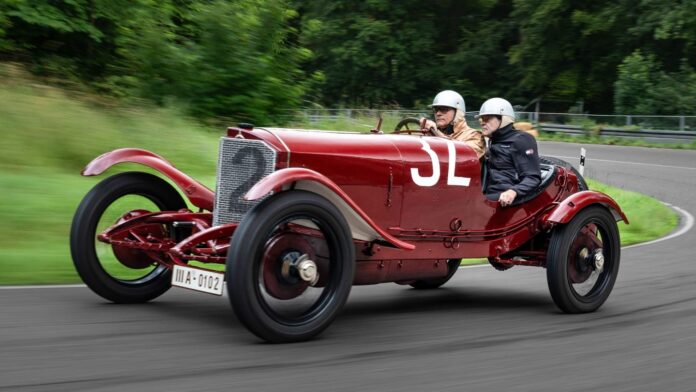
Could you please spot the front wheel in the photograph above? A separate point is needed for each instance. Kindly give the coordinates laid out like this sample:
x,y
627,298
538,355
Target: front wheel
x,y
290,267
122,274
583,261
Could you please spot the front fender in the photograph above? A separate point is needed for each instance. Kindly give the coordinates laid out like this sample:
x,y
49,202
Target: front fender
x,y
361,225
574,203
197,193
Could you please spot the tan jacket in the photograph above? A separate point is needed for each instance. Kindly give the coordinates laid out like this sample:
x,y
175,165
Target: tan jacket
x,y
472,137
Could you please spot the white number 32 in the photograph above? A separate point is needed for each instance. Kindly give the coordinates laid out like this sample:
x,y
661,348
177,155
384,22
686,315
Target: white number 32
x,y
435,177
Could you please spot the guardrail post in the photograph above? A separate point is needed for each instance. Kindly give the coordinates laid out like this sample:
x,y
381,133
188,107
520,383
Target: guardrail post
x,y
682,123
628,120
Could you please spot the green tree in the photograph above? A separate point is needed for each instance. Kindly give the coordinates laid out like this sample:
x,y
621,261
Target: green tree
x,y
668,27
659,77
66,38
569,49
5,24
250,59
222,58
643,87
479,63
371,53
638,76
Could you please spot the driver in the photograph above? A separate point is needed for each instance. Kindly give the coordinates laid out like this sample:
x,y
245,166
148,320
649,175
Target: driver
x,y
512,159
448,108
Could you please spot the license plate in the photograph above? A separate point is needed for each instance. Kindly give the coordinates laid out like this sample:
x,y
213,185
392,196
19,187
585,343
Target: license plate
x,y
198,279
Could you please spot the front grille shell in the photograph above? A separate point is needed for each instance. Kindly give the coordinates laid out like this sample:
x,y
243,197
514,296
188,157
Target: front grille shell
x,y
241,164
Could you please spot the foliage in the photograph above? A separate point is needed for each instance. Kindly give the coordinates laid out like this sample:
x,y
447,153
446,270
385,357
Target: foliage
x,y
370,53
253,59
220,58
225,58
643,87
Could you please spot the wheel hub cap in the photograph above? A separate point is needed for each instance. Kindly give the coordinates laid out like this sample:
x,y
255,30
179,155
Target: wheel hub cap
x,y
307,270
599,260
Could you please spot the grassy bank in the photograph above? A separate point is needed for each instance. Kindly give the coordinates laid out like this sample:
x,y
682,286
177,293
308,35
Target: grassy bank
x,y
48,135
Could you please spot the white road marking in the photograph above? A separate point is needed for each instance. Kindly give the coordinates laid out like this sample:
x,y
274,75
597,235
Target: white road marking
x,y
590,160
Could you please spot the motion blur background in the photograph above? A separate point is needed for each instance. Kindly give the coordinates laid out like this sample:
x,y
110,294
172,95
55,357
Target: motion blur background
x,y
254,60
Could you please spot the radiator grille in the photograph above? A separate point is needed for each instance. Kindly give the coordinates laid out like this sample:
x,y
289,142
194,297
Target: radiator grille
x,y
241,164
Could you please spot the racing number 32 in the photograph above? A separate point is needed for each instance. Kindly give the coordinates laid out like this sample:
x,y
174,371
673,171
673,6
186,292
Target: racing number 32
x,y
435,177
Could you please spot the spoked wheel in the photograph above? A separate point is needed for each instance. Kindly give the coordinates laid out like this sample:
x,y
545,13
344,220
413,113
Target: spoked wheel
x,y
290,266
583,261
120,274
403,127
426,284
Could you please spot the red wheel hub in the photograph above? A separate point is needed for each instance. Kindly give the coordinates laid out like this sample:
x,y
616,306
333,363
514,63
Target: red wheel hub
x,y
581,254
278,278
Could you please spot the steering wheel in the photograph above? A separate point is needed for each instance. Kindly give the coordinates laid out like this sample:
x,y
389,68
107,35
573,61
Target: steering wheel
x,y
406,130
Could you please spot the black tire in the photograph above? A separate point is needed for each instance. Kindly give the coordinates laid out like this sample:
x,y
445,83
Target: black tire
x,y
427,284
582,185
575,282
307,313
90,215
499,266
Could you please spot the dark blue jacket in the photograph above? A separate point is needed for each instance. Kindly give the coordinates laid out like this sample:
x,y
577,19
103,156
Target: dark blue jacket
x,y
512,161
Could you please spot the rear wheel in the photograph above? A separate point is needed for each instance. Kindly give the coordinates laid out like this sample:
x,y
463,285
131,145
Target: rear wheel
x,y
290,266
583,261
120,274
427,284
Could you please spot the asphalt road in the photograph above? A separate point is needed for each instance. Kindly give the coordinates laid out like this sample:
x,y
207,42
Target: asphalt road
x,y
484,331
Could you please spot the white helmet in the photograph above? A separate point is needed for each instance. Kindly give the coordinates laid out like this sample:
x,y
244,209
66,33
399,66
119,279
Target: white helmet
x,y
496,107
450,99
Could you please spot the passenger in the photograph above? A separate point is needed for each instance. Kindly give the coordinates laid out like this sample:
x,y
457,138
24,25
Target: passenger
x,y
449,110
512,159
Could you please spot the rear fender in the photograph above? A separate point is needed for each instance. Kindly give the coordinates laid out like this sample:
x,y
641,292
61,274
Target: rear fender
x,y
361,226
198,194
568,208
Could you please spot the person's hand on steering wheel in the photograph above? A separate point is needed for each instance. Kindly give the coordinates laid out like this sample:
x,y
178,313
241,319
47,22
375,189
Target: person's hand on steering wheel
x,y
427,126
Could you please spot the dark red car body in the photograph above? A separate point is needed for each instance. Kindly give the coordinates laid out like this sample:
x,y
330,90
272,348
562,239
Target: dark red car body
x,y
411,203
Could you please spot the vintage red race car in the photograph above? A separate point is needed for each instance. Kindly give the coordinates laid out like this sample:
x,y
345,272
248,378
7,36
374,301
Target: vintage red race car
x,y
299,216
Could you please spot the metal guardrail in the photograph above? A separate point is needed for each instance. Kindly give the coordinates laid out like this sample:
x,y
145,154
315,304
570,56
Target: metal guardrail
x,y
563,128
665,136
